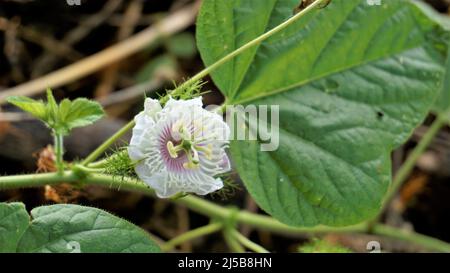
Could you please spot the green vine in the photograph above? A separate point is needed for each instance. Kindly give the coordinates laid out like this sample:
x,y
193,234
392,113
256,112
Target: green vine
x,y
214,211
225,219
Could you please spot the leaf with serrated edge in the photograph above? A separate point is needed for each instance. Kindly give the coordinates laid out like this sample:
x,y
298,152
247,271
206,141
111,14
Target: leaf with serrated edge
x,y
83,112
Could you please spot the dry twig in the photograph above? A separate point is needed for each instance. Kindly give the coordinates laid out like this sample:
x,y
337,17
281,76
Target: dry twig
x,y
172,24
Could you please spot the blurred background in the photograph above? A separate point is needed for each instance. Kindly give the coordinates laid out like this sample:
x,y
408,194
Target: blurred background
x,y
40,37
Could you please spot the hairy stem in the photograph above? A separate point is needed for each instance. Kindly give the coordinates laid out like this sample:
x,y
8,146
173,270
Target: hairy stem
x,y
212,210
192,234
419,239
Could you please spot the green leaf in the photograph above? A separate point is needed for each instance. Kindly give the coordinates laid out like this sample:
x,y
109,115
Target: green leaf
x,y
81,112
36,108
442,103
52,106
64,108
63,117
65,228
14,220
352,81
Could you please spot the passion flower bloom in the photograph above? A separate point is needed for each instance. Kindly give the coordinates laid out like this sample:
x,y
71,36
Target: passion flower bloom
x,y
180,148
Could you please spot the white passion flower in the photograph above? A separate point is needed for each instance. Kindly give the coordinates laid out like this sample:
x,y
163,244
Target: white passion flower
x,y
180,148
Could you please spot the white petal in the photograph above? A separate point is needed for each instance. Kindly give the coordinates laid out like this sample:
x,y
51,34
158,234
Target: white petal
x,y
225,164
209,185
143,123
152,107
140,141
143,171
163,189
135,153
183,104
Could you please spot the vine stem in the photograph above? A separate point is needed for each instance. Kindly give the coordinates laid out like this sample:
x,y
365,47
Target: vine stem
x,y
247,243
59,151
232,242
252,43
105,145
192,234
419,239
212,210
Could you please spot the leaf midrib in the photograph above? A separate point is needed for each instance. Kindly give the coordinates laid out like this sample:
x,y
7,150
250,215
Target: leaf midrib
x,y
317,78
325,75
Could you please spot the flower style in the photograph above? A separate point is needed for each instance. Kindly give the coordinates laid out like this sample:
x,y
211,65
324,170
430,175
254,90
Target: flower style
x,y
179,148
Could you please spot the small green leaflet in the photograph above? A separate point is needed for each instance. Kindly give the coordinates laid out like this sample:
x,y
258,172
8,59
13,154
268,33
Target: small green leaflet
x,y
35,107
63,117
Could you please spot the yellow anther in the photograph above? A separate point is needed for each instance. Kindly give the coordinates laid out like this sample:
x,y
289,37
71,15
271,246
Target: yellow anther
x,y
173,151
207,150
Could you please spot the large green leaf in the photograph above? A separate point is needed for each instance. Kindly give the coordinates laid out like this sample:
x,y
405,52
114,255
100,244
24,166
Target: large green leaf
x,y
68,228
442,103
14,220
352,81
